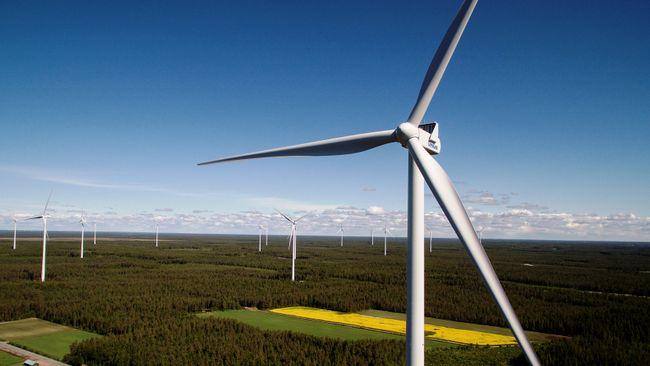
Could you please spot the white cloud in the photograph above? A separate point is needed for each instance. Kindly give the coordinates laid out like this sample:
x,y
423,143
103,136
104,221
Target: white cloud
x,y
510,223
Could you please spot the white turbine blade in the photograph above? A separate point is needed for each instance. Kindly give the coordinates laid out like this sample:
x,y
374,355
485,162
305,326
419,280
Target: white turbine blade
x,y
283,215
291,236
336,146
303,216
47,202
447,197
440,61
33,218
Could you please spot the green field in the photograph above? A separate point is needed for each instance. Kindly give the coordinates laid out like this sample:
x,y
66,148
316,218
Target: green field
x,y
7,359
270,321
43,337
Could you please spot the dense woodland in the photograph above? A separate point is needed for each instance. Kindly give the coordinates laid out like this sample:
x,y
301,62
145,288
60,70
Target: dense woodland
x,y
142,298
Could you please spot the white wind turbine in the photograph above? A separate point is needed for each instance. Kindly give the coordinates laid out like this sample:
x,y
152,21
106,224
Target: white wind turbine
x,y
94,233
386,233
82,221
422,142
262,229
480,234
292,241
156,234
43,217
13,218
372,237
430,239
342,232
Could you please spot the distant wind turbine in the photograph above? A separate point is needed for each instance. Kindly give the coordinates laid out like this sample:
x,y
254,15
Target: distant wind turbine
x,y
480,234
43,217
386,232
342,232
156,234
13,218
82,221
94,233
423,143
292,241
430,239
259,246
372,237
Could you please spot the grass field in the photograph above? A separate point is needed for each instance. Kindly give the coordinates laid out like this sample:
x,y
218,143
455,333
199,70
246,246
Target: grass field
x,y
7,359
271,321
386,324
43,337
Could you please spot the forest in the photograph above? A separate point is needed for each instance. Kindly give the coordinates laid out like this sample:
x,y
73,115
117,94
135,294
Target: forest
x,y
143,299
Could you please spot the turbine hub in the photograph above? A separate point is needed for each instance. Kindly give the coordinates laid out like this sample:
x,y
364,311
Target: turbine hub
x,y
427,134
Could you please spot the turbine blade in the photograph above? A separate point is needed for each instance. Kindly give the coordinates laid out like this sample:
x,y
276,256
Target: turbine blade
x,y
33,218
283,215
291,236
447,197
440,61
336,146
303,216
47,202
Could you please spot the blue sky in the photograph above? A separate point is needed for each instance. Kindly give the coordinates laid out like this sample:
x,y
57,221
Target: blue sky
x,y
543,111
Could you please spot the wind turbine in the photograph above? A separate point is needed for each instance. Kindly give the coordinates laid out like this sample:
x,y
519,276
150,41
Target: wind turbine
x,y
342,232
43,217
422,142
156,234
94,233
13,218
292,241
82,221
372,237
386,232
259,247
480,234
430,239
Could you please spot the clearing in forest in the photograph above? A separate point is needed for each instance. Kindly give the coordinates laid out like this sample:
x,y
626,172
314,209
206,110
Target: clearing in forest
x,y
435,329
43,337
278,322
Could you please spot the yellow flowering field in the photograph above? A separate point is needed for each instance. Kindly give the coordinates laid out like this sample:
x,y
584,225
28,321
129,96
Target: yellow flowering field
x,y
433,332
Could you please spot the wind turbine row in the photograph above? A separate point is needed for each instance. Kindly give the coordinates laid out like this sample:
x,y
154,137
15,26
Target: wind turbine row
x,y
422,143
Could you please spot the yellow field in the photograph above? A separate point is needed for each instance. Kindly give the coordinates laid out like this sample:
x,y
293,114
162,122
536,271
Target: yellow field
x,y
431,331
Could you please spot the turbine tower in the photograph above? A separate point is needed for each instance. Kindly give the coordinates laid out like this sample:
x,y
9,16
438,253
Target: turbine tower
x,y
292,241
156,234
342,232
259,246
94,233
13,218
422,143
372,237
430,239
386,232
82,221
43,217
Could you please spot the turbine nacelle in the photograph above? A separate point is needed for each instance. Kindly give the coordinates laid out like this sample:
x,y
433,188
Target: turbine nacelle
x,y
426,133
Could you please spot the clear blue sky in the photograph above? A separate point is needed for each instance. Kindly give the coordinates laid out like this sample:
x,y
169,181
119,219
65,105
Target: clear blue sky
x,y
545,105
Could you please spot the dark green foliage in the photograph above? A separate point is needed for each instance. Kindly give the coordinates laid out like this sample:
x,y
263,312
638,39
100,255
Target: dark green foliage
x,y
143,298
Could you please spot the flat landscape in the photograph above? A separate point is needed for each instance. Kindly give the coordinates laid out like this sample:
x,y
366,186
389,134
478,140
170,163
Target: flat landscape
x,y
215,300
